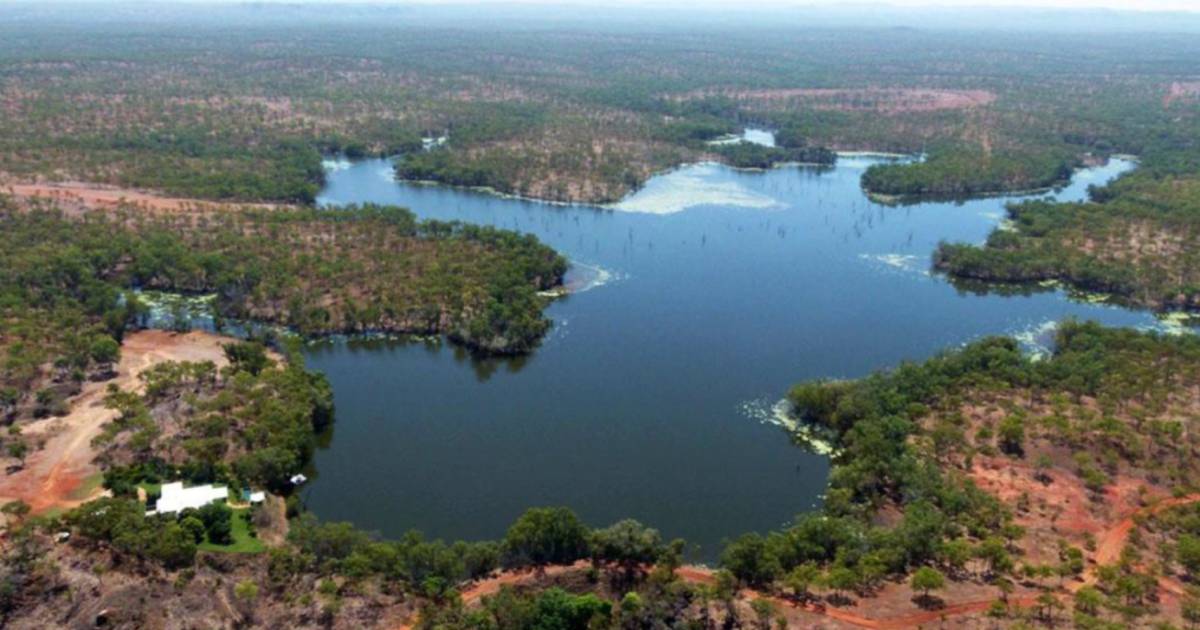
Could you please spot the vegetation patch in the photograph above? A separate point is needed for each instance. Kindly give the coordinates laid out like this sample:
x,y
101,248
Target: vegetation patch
x,y
242,537
1136,240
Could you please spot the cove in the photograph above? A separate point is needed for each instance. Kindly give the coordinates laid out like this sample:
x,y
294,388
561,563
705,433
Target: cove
x,y
699,300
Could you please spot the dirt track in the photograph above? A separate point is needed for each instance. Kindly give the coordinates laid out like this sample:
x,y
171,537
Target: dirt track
x,y
53,476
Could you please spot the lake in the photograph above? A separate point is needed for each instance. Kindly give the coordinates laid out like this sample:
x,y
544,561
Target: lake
x,y
699,300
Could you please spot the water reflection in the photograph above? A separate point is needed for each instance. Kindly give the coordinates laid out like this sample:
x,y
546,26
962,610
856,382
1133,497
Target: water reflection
x,y
635,405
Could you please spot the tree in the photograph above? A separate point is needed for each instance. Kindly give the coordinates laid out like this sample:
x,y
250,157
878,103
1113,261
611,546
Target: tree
x,y
631,607
16,510
1005,586
193,526
802,578
1187,551
1072,562
542,536
994,553
726,590
627,544
105,350
170,545
558,610
1088,600
250,356
750,560
1012,435
764,610
955,554
218,522
840,580
1042,466
246,592
927,579
1047,607
9,396
18,449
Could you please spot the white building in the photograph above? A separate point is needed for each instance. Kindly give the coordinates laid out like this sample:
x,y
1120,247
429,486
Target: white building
x,y
175,498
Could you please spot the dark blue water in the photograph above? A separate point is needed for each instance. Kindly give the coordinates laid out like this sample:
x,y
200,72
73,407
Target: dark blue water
x,y
650,398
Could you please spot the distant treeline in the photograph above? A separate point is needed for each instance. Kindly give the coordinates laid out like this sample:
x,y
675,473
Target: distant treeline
x,y
582,118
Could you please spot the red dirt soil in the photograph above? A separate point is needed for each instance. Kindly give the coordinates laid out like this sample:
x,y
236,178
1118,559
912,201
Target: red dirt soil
x,y
1111,541
93,196
53,476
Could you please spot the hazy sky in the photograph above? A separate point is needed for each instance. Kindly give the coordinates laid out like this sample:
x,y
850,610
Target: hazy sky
x,y
1137,5
1192,6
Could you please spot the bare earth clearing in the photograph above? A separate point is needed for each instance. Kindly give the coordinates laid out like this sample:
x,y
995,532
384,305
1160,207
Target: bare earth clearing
x,y
80,196
53,476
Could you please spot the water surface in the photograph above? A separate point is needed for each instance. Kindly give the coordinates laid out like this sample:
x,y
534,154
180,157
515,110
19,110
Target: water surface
x,y
707,294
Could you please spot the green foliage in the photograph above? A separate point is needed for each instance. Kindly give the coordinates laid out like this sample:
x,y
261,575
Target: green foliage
x,y
105,350
627,544
927,579
961,172
250,356
194,526
877,425
1136,241
246,428
246,590
329,548
525,108
750,560
385,271
1187,552
550,609
241,538
541,536
750,155
1012,435
122,524
218,523
695,130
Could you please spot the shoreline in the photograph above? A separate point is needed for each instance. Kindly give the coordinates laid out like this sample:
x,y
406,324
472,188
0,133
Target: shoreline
x,y
611,205
905,198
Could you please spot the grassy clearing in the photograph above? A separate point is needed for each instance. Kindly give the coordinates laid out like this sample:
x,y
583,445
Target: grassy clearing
x,y
243,540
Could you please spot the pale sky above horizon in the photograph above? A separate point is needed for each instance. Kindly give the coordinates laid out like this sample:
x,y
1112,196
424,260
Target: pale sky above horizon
x,y
1132,5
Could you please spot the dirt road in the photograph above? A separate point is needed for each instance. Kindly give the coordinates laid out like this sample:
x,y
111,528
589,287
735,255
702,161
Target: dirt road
x,y
53,477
